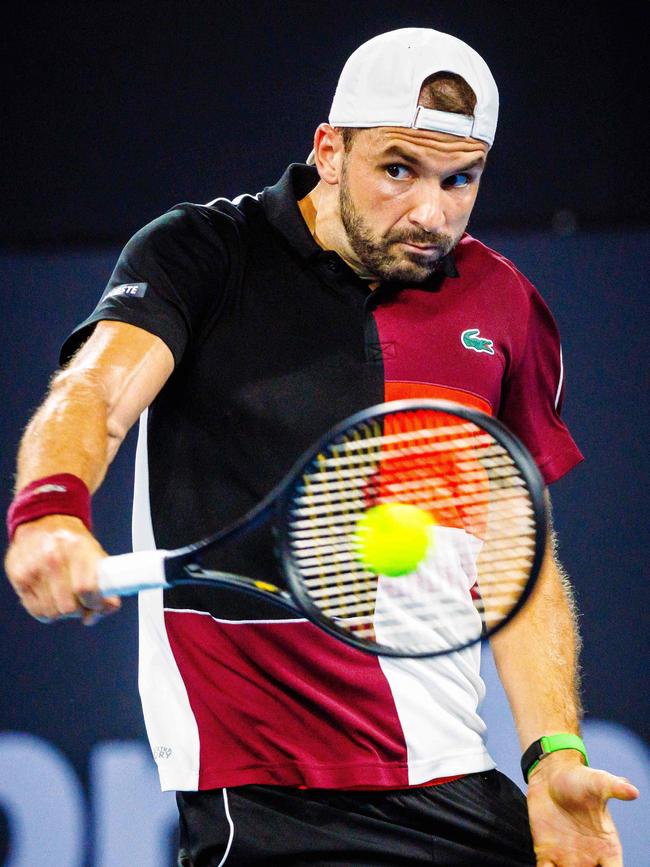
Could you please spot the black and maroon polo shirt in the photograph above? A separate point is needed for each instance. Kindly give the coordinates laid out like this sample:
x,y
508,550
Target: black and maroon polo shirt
x,y
275,340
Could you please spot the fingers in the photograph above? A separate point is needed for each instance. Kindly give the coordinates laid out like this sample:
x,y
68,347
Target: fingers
x,y
603,785
35,596
570,821
90,616
55,576
623,790
112,604
52,566
83,581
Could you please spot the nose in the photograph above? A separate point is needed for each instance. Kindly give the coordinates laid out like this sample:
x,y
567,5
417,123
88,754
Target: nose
x,y
428,209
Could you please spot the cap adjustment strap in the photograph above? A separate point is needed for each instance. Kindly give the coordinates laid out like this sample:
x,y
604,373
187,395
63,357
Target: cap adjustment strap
x,y
443,121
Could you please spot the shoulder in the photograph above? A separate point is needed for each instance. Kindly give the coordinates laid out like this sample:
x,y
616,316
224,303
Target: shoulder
x,y
214,221
209,237
502,287
478,262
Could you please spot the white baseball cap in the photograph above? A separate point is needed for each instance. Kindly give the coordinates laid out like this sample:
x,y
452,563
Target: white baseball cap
x,y
380,84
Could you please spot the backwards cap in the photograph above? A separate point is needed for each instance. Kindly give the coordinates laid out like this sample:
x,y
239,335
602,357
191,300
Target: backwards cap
x,y
380,84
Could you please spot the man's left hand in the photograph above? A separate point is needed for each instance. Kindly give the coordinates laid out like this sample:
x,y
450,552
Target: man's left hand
x,y
569,819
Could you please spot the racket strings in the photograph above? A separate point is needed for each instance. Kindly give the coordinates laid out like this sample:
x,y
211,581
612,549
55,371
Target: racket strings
x,y
328,514
473,489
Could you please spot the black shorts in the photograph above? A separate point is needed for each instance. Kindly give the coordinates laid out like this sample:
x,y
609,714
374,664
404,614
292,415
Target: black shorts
x,y
480,820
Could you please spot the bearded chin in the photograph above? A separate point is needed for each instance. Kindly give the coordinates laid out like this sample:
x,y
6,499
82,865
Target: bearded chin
x,y
374,253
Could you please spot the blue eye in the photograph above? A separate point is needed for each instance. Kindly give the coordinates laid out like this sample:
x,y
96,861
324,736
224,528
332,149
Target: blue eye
x,y
397,172
459,180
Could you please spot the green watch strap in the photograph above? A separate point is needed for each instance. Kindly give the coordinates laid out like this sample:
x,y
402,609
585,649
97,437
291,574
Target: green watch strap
x,y
550,744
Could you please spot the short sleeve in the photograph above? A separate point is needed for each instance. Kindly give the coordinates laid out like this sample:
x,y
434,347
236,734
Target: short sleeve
x,y
533,393
169,280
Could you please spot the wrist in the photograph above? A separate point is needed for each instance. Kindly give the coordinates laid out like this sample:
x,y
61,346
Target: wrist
x,y
58,494
562,748
554,762
48,524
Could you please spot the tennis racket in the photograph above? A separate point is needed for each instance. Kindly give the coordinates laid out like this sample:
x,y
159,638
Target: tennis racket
x,y
483,549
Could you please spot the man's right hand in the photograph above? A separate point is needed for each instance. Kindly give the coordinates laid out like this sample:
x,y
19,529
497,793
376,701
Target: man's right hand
x,y
91,405
52,566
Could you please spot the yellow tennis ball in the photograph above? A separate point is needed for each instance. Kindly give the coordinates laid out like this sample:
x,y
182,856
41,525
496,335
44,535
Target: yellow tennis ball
x,y
392,538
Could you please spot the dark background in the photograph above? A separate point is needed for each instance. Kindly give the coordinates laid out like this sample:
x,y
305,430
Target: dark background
x,y
115,111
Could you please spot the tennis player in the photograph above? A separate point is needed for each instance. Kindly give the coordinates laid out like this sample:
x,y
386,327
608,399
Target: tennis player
x,y
240,331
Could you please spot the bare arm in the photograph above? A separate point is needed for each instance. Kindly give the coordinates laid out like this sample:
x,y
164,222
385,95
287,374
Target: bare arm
x,y
537,659
78,429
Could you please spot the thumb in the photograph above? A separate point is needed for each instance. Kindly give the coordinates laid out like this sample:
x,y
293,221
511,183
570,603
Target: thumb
x,y
622,789
604,786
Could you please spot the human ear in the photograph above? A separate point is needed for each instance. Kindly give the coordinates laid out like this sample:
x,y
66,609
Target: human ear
x,y
328,153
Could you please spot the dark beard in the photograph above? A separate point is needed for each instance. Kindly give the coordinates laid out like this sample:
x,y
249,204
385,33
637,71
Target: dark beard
x,y
374,253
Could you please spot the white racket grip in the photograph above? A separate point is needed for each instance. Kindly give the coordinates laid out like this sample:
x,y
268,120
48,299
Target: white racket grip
x,y
126,574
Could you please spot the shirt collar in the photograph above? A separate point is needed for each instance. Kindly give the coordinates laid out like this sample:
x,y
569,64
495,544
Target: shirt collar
x,y
280,203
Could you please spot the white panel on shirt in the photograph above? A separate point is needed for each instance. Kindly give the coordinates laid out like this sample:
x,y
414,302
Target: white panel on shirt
x,y
437,699
171,726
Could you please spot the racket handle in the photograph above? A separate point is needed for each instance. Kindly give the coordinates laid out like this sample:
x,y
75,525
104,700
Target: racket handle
x,y
126,574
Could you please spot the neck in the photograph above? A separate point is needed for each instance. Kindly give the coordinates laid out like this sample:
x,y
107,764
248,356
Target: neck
x,y
328,230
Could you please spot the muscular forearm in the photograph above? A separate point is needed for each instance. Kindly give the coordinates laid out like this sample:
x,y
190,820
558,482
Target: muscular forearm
x,y
93,403
537,659
69,433
52,559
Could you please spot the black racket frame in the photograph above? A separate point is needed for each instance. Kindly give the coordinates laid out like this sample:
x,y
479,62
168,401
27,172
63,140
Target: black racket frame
x,y
183,566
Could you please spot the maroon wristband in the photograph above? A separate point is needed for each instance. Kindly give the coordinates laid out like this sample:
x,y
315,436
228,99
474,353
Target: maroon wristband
x,y
60,494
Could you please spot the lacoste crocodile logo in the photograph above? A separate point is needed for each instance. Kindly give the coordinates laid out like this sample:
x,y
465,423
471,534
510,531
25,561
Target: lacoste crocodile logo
x,y
471,340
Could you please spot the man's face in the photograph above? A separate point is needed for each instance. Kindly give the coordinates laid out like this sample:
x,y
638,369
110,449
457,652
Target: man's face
x,y
405,197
